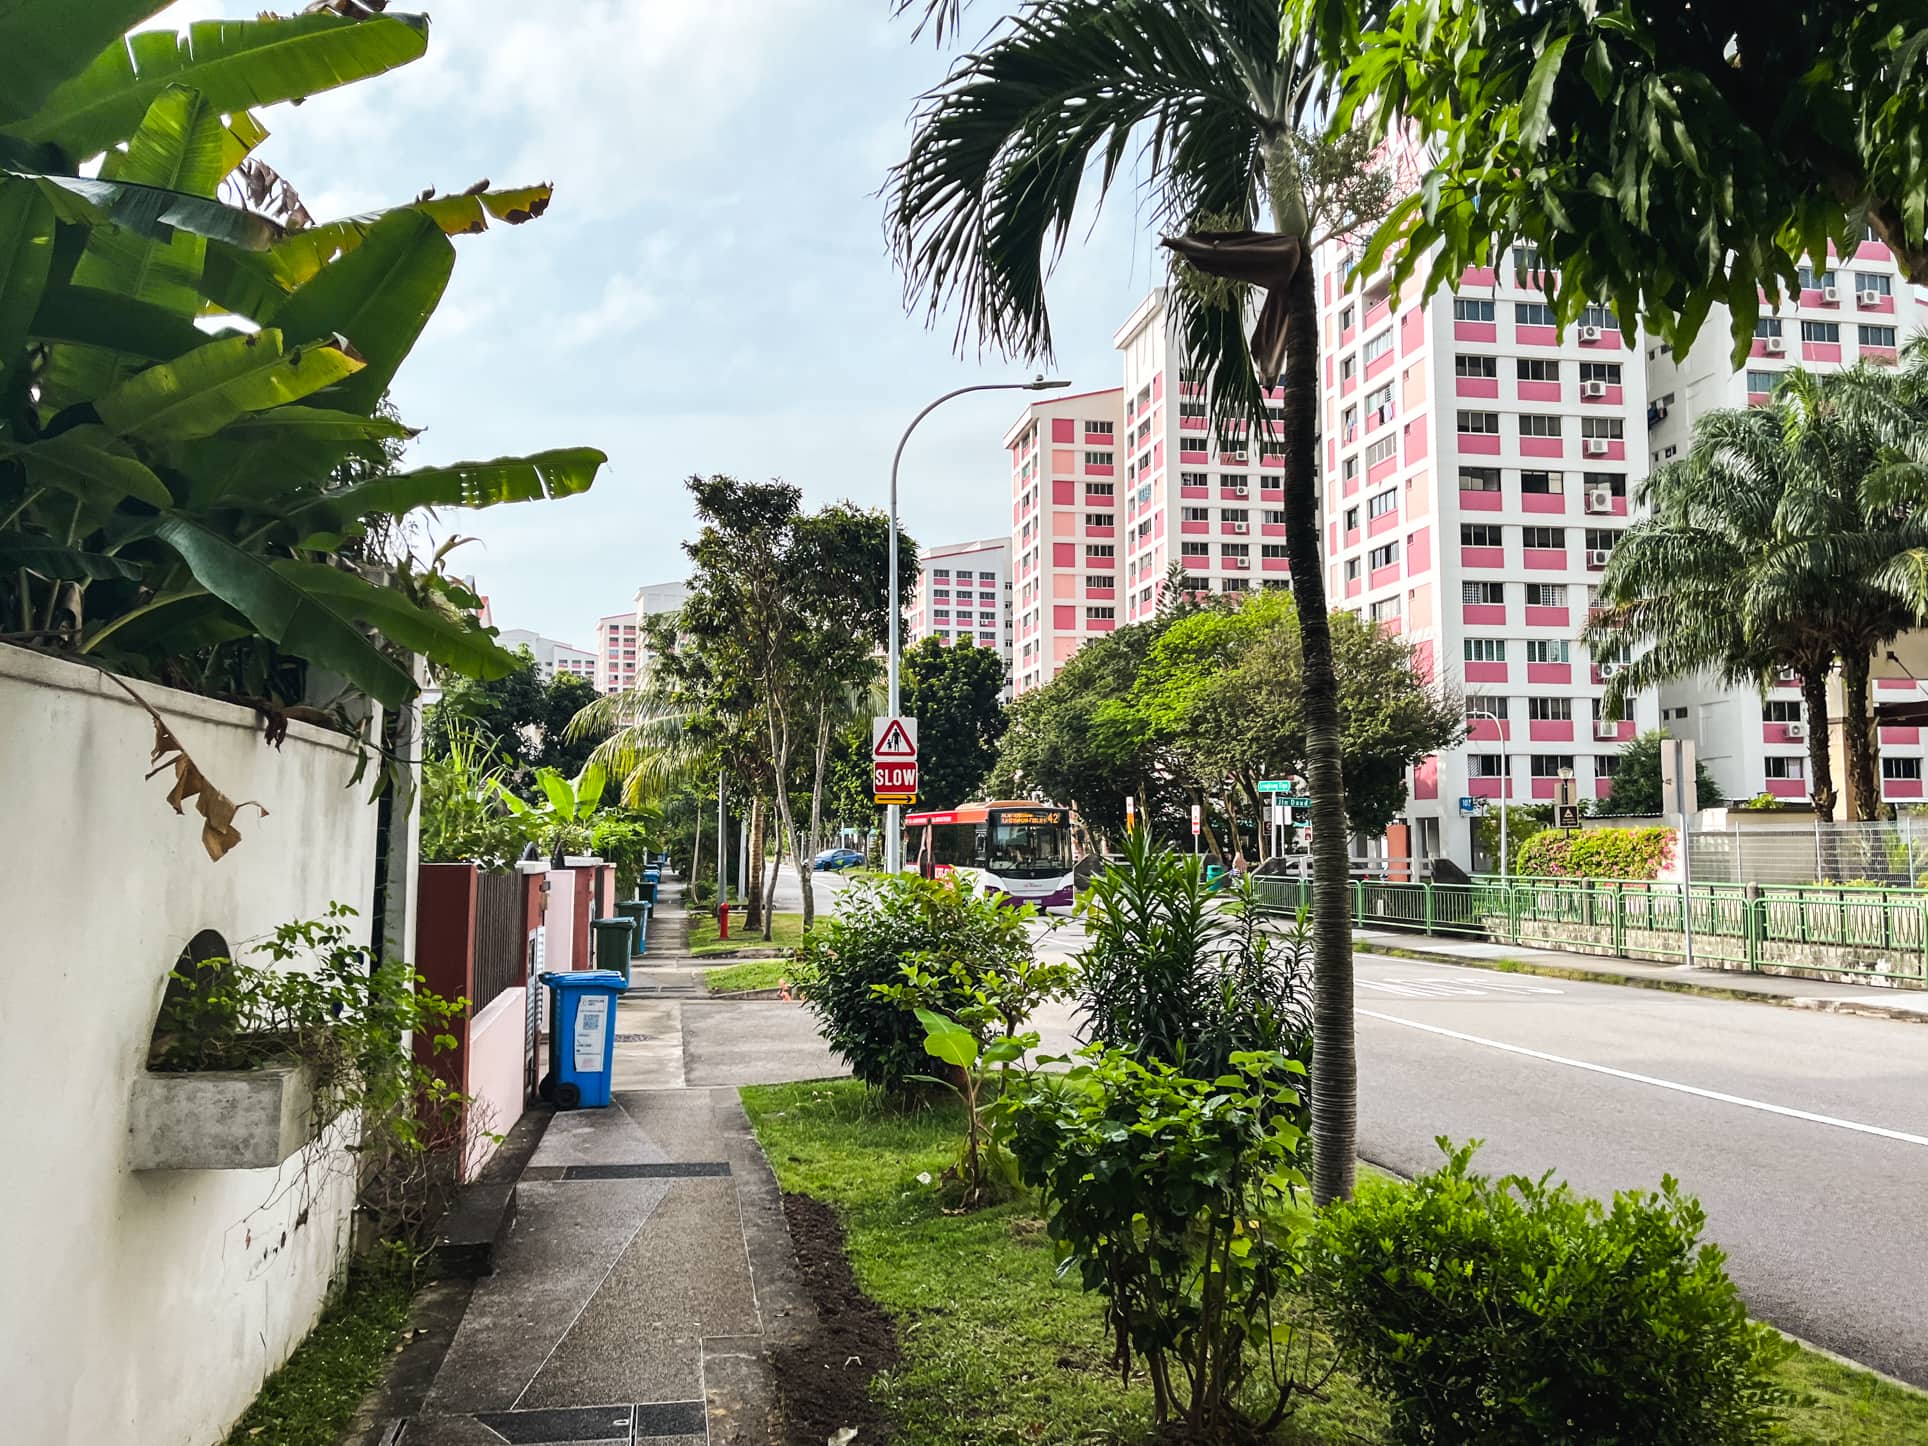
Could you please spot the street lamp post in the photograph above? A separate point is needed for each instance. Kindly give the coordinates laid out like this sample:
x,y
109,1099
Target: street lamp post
x,y
1506,777
894,813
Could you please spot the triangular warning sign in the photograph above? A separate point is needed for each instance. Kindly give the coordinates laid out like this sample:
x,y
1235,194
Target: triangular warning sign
x,y
895,743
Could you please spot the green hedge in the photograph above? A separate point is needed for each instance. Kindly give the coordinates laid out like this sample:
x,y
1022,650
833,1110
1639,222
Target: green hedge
x,y
1597,853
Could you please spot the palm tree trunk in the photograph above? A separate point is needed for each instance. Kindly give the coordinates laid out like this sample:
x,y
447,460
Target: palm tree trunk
x,y
1814,701
1335,1069
1858,734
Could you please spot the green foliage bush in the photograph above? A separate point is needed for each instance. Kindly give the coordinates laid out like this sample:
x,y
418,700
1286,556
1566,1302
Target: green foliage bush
x,y
885,922
1597,853
1512,1312
1181,1202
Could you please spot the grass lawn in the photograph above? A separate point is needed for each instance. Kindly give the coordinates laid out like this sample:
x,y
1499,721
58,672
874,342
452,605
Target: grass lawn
x,y
309,1401
752,974
786,932
997,1349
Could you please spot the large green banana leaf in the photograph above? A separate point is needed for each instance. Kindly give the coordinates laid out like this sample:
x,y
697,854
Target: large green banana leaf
x,y
267,455
86,317
177,148
379,296
47,558
442,639
44,42
236,64
253,283
90,464
150,210
26,250
309,625
561,473
200,392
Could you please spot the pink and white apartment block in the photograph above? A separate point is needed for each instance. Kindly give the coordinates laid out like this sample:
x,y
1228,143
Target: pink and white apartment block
x,y
1212,502
1066,475
964,595
617,651
1476,469
1857,309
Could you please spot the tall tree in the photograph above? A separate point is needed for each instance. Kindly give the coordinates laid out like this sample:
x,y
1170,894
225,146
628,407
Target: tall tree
x,y
523,717
956,696
1661,157
1002,153
1636,780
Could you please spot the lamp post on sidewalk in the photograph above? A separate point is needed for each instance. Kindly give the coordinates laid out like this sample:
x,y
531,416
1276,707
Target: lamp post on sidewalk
x,y
1506,776
894,813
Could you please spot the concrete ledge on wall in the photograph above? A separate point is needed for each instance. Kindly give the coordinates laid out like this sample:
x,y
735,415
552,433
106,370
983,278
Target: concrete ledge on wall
x,y
221,1119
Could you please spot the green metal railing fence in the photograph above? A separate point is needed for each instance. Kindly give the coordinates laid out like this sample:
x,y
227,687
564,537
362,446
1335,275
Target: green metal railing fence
x,y
1830,932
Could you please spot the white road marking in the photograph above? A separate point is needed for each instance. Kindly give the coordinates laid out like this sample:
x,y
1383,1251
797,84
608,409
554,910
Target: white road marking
x,y
1666,1084
1438,986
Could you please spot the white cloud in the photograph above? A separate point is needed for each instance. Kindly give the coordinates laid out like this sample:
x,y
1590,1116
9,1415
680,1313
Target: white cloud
x,y
626,304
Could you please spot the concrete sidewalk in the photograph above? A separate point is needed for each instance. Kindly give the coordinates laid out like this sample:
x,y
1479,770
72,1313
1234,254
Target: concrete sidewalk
x,y
648,1276
1843,997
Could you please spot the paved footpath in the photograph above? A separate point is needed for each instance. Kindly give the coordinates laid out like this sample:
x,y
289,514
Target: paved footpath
x,y
648,1274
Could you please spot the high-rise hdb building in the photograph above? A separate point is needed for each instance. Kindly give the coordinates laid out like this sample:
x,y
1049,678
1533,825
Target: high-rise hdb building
x,y
1860,309
1065,529
616,652
552,657
964,596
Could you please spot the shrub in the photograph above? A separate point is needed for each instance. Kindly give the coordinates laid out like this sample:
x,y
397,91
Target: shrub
x,y
1178,971
1181,1202
1511,1311
883,923
1598,853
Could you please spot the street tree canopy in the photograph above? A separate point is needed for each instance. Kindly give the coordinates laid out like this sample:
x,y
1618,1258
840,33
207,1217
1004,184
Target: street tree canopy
x,y
522,719
1661,157
953,692
1636,780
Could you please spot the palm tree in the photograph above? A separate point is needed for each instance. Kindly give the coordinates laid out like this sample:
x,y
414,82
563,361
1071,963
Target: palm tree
x,y
1782,543
1212,94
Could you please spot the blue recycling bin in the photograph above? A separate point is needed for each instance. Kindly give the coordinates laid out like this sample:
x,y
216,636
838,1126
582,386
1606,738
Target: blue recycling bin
x,y
582,1036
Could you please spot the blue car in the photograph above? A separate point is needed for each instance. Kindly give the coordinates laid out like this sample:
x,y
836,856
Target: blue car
x,y
836,860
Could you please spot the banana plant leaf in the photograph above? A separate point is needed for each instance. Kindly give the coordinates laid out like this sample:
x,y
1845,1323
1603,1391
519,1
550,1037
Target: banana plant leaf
x,y
26,251
379,296
150,210
86,317
236,64
200,392
263,456
253,283
309,625
50,560
449,641
89,463
44,42
542,477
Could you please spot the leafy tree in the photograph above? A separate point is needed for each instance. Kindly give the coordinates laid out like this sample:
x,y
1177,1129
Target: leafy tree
x,y
1660,157
524,718
956,696
1002,152
1636,780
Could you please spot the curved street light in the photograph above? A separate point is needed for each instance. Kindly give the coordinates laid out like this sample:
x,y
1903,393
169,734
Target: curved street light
x,y
894,814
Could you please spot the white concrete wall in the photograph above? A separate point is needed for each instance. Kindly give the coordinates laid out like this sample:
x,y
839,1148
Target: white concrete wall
x,y
495,1073
146,1306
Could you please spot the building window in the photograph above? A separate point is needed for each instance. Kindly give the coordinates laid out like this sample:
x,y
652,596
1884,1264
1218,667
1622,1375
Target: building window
x,y
1189,548
1093,550
1476,366
1384,556
1543,484
1549,650
1195,514
1480,423
1349,423
1484,765
1538,369
1351,519
1875,281
1479,479
1483,594
1100,429
1608,372
1467,309
1195,479
1188,408
1349,468
1532,313
1377,346
1482,709
1549,710
1901,768
1539,424
1346,318
1546,594
1552,765
1881,336
1380,503
1100,615
1386,609
1549,538
1098,459
1348,368
1099,579
1781,710
1795,768
1352,569
1812,282
1382,450
1235,549
1609,428
1761,383
1486,650
1594,314
1379,402
1100,519
1099,489
1823,331
1272,549
1767,326
1274,516
1480,534
1235,514
1602,539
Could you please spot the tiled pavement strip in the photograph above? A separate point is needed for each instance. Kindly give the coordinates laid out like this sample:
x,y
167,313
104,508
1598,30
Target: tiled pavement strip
x,y
648,1273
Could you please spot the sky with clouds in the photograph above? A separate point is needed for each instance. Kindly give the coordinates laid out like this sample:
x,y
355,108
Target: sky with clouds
x,y
710,291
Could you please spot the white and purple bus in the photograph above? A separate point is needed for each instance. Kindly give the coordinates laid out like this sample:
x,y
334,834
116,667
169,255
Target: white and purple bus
x,y
1017,850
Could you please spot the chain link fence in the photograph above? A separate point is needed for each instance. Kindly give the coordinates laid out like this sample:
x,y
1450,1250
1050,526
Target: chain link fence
x,y
1890,852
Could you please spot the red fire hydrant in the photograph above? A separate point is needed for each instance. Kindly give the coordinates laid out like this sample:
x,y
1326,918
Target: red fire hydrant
x,y
723,920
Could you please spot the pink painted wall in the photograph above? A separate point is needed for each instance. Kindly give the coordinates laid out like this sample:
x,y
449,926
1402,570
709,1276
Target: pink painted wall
x,y
1548,730
1485,615
1486,672
1543,501
1479,444
1545,617
1549,673
1475,331
1482,556
1536,335
1539,391
1064,429
1476,386
1544,559
1426,777
1542,446
1481,501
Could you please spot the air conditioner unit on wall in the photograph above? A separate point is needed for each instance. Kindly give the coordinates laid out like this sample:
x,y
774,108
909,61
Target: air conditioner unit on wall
x,y
1599,498
1602,727
1241,527
1830,294
1589,333
1593,389
1608,670
1776,345
1796,732
1868,298
1596,446
1237,562
1597,557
